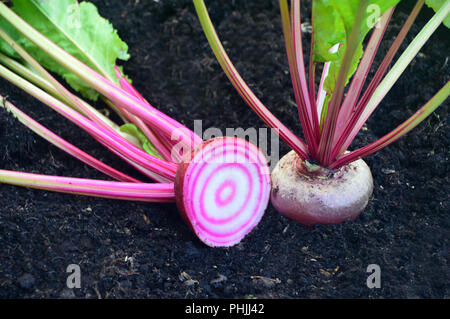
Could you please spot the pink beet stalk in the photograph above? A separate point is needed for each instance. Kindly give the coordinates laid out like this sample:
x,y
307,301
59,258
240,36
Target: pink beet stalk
x,y
301,86
126,85
358,109
243,89
401,130
163,140
158,193
160,142
112,141
121,98
361,73
64,145
398,68
306,106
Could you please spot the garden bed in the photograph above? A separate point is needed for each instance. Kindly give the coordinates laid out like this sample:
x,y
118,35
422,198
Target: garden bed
x,y
129,250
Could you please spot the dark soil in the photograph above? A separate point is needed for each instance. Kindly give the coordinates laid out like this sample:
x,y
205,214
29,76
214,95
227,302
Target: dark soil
x,y
129,250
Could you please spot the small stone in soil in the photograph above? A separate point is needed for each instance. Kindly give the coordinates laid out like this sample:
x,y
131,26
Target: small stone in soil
x,y
26,281
220,279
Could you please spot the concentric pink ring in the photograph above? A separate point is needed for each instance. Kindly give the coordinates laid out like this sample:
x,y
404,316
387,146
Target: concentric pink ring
x,y
242,151
198,173
218,196
203,212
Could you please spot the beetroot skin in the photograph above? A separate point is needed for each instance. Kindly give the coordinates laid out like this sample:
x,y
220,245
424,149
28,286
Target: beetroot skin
x,y
312,199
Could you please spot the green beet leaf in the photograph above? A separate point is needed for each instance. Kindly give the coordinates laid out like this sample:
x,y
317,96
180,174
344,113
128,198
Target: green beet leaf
x,y
436,5
75,27
333,21
131,129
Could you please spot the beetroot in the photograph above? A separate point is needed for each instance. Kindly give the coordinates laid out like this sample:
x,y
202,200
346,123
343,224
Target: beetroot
x,y
326,197
338,187
222,189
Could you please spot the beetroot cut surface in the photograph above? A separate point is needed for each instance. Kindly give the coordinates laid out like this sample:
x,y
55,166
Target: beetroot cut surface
x,y
222,190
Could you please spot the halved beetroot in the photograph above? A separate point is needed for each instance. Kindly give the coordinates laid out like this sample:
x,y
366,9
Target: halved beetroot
x,y
222,190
